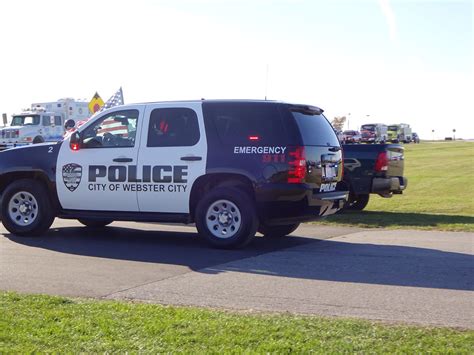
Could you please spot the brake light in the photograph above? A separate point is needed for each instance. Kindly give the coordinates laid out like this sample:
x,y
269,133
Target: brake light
x,y
381,164
297,162
17,133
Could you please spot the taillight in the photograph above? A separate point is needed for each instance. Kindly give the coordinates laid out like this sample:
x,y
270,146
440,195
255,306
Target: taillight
x,y
381,164
17,133
297,162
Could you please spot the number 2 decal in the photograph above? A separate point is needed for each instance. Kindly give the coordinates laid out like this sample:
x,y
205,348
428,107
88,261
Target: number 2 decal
x,y
50,149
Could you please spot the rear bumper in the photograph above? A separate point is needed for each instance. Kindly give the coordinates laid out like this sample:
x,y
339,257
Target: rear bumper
x,y
394,184
299,203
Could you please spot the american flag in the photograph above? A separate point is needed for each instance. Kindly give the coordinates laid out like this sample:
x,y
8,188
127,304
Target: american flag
x,y
115,100
111,126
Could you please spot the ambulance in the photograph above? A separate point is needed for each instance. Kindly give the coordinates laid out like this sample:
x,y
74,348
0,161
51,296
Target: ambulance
x,y
42,122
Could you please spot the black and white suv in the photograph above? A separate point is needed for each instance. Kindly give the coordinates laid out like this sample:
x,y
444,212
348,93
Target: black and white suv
x,y
231,167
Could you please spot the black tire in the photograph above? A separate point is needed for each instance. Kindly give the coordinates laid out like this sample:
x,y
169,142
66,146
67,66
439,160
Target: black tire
x,y
37,215
358,202
277,231
38,139
95,223
237,210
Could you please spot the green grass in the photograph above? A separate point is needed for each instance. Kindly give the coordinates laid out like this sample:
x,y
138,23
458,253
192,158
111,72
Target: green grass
x,y
440,192
54,324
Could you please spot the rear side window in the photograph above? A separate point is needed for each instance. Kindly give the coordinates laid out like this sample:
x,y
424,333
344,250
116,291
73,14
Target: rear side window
x,y
173,127
245,122
315,129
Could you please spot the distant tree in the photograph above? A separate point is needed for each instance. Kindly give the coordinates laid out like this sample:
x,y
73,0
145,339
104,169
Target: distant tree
x,y
338,122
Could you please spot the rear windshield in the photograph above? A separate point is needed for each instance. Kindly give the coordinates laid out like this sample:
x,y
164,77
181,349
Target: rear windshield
x,y
368,127
349,133
315,129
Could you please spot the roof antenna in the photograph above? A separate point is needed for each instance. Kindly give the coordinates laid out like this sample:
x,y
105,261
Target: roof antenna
x,y
266,84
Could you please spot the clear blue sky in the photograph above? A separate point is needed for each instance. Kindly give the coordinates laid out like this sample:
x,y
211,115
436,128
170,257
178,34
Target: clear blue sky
x,y
379,60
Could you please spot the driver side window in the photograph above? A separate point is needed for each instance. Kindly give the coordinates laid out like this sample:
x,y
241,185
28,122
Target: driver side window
x,y
117,129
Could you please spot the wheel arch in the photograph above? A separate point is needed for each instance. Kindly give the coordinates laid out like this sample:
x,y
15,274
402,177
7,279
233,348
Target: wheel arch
x,y
207,182
37,175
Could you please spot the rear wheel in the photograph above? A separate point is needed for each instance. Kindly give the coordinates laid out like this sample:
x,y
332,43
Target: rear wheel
x,y
277,231
26,209
95,223
357,202
226,218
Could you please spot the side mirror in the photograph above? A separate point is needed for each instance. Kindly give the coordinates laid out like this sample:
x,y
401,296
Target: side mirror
x,y
75,141
69,124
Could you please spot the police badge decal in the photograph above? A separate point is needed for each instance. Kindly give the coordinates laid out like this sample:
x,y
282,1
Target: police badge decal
x,y
72,174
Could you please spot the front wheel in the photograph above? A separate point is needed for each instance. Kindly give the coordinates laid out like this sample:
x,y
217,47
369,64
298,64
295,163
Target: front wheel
x,y
26,208
38,140
277,231
226,218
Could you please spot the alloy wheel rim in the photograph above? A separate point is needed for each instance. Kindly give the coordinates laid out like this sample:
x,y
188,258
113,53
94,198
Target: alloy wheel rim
x,y
23,208
223,219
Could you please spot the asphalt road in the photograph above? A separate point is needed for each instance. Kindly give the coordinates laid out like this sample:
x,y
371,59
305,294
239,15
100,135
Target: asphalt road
x,y
408,276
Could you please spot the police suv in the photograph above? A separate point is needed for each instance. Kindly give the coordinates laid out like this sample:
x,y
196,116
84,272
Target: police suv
x,y
231,167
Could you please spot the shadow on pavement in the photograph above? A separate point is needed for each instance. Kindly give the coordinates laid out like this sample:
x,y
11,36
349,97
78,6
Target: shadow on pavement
x,y
154,246
387,219
309,258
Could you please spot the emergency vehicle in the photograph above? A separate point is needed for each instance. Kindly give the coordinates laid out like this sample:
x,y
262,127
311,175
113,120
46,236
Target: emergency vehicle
x,y
399,133
373,133
231,167
43,122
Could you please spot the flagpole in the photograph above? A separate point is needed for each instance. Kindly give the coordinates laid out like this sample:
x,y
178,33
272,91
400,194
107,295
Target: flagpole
x,y
121,93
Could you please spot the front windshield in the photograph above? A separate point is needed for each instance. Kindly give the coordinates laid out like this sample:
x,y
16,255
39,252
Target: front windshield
x,y
392,128
27,120
368,127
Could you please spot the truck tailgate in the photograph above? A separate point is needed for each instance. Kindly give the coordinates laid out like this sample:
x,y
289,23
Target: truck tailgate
x,y
396,160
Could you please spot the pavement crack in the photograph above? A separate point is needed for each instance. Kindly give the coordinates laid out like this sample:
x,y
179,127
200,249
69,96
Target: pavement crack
x,y
145,284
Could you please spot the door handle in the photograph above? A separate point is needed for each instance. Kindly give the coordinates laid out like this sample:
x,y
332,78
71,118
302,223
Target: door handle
x,y
191,158
123,160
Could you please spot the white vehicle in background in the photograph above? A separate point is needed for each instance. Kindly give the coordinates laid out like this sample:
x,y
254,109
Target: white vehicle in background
x,y
43,122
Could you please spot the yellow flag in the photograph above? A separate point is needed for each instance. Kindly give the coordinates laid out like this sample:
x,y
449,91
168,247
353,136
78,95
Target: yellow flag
x,y
96,103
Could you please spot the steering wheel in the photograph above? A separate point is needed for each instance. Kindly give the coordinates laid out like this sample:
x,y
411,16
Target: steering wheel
x,y
109,139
